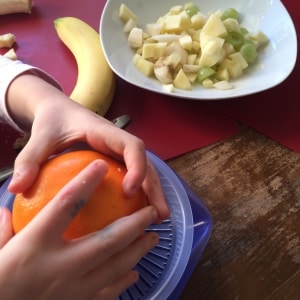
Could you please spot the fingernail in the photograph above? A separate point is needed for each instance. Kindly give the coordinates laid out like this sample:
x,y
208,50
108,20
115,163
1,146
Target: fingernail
x,y
15,178
130,190
154,213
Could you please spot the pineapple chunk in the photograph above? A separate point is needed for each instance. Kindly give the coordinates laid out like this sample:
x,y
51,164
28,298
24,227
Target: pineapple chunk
x,y
125,13
214,26
181,81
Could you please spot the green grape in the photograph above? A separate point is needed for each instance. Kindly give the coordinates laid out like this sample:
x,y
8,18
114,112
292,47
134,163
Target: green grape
x,y
248,51
246,41
192,10
205,72
230,13
244,30
235,38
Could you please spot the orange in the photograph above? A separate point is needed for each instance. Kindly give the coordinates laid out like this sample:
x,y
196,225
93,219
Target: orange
x,y
106,204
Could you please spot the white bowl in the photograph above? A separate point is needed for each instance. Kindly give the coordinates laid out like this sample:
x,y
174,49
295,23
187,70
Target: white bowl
x,y
275,61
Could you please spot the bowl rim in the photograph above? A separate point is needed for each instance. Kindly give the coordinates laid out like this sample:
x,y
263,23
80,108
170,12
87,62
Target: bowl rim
x,y
120,62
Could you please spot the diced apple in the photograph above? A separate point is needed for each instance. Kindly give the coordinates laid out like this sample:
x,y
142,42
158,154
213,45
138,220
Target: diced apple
x,y
186,42
125,13
259,37
169,88
237,57
196,35
144,66
198,20
234,64
229,49
129,25
135,58
177,9
153,28
175,47
192,77
195,46
191,59
223,85
232,25
207,83
176,23
222,74
148,50
181,81
211,52
214,26
160,50
205,38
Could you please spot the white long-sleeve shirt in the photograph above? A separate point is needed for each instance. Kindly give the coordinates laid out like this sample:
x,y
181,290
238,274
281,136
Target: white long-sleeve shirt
x,y
9,70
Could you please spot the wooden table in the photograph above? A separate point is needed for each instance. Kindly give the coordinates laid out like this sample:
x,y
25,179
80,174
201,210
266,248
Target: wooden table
x,y
251,186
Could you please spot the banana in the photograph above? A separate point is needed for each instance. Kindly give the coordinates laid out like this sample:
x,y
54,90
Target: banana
x,y
95,84
15,6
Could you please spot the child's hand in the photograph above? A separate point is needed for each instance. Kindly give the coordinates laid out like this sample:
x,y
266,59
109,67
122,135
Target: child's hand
x,y
43,265
58,122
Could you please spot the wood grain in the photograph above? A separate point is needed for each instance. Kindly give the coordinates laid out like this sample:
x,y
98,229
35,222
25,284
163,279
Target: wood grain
x,y
251,186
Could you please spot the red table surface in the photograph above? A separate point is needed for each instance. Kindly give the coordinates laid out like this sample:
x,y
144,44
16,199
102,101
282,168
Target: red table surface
x,y
169,126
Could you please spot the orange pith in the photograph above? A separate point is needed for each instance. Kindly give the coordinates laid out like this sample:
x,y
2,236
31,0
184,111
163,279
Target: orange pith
x,y
106,204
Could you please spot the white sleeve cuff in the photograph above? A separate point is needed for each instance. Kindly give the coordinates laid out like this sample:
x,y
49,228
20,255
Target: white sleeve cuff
x,y
9,70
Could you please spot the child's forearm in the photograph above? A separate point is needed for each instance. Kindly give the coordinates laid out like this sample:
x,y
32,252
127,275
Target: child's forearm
x,y
9,71
25,95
